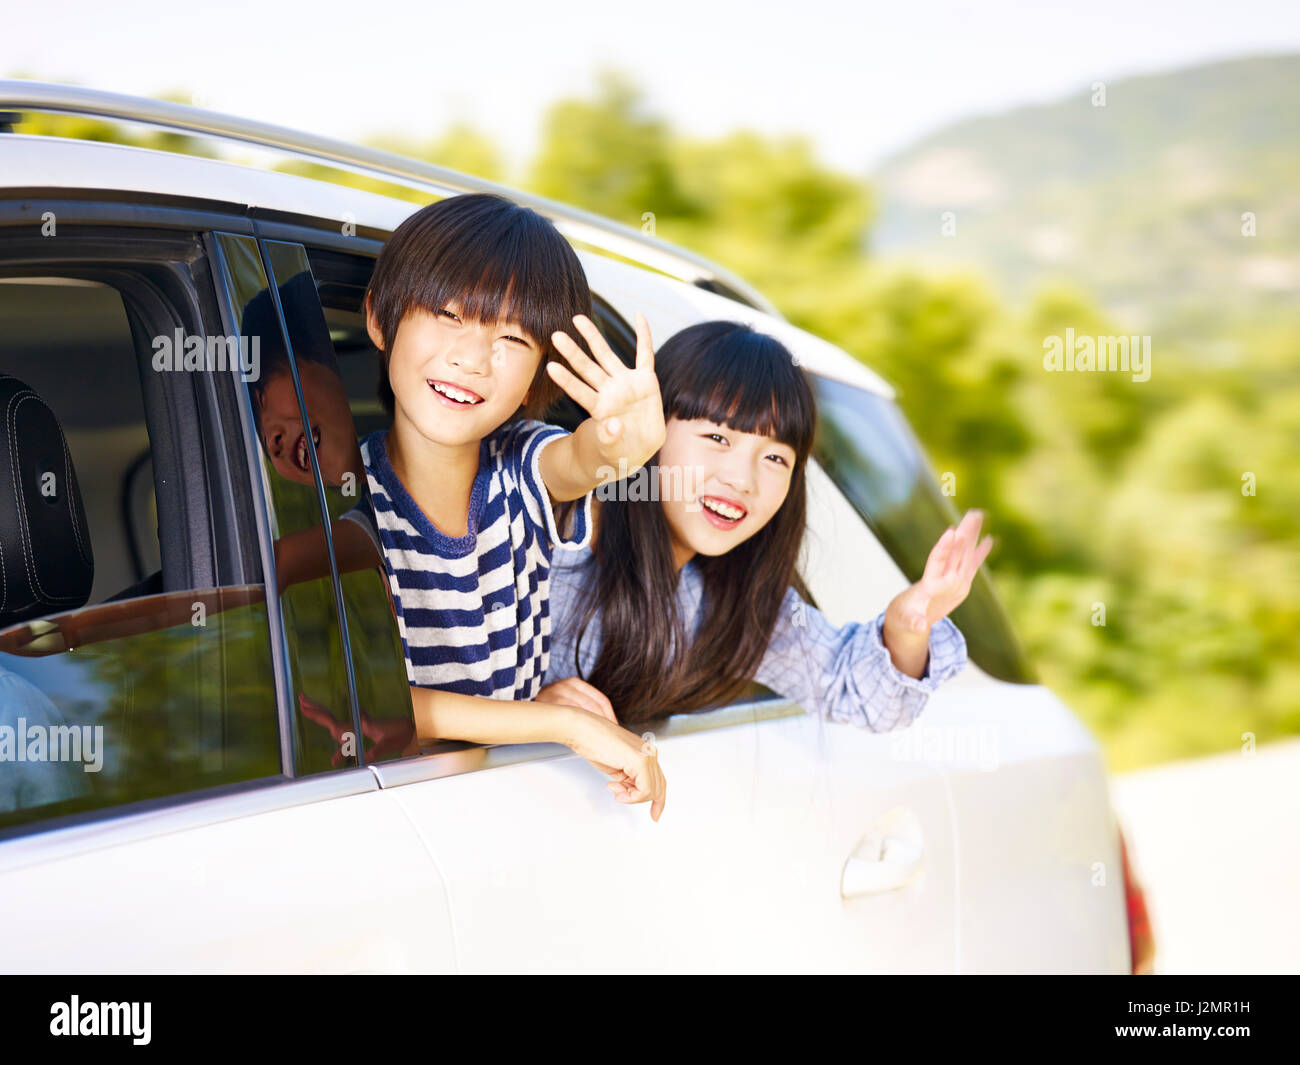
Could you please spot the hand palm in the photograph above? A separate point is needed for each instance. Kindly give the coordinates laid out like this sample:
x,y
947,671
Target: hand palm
x,y
624,401
949,571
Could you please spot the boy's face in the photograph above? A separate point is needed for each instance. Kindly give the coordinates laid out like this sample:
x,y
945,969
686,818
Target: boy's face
x,y
453,380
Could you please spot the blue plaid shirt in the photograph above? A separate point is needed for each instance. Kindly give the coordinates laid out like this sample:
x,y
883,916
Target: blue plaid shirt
x,y
841,674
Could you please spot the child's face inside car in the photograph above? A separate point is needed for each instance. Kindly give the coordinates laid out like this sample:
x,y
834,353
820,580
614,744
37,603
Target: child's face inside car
x,y
739,482
455,381
285,438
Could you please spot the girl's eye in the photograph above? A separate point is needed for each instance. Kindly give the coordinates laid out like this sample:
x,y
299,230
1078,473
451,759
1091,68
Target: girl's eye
x,y
715,436
780,459
517,340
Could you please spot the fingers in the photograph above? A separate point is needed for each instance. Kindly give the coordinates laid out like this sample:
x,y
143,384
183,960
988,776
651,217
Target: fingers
x,y
645,352
594,373
937,564
584,395
967,533
649,786
574,691
609,362
964,536
978,556
594,695
313,711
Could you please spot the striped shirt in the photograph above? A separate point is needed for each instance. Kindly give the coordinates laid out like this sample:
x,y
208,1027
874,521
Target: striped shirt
x,y
472,610
843,674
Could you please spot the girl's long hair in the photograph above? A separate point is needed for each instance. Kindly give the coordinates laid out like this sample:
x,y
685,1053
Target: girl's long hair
x,y
648,665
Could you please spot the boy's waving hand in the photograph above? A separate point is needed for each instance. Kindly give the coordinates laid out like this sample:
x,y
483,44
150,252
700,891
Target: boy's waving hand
x,y
626,427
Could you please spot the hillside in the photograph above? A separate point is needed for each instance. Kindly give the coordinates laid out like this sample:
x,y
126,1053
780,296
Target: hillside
x,y
1139,201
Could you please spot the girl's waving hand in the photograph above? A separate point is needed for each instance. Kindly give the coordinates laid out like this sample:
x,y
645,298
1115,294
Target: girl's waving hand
x,y
949,571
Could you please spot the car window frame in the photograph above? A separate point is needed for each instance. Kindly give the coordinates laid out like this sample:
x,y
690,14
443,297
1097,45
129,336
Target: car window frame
x,y
446,757
118,243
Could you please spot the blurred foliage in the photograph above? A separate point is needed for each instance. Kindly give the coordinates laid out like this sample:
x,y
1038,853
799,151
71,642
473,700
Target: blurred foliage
x,y
1103,491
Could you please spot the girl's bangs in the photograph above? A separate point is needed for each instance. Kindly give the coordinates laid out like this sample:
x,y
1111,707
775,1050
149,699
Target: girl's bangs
x,y
747,381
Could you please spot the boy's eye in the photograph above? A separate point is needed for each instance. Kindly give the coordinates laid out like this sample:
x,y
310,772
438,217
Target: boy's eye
x,y
517,340
449,314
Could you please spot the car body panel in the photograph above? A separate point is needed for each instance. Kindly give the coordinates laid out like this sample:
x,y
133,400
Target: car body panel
x,y
334,885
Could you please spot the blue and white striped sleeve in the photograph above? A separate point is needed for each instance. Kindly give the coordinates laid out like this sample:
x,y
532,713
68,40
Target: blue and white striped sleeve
x,y
524,451
846,675
363,514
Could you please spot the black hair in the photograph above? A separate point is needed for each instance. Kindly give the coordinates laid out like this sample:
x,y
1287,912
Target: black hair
x,y
647,665
307,330
497,259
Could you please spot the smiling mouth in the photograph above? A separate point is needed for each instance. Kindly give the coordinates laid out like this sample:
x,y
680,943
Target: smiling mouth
x,y
462,397
300,450
721,512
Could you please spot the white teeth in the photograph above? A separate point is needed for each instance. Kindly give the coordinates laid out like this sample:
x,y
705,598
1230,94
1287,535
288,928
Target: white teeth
x,y
729,512
454,393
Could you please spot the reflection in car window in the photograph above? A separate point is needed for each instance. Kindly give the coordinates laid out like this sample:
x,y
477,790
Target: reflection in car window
x,y
113,688
324,737
379,666
866,446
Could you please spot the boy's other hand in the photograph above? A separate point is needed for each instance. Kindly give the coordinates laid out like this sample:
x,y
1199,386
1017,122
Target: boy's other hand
x,y
624,403
631,764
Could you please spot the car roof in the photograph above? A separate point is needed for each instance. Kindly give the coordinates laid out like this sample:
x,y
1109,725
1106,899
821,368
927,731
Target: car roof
x,y
32,161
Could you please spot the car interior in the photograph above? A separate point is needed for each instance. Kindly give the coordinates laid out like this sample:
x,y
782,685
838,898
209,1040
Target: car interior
x,y
69,342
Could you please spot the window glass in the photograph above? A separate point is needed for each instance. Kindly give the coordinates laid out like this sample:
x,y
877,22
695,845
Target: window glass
x,y
866,446
323,708
113,687
379,667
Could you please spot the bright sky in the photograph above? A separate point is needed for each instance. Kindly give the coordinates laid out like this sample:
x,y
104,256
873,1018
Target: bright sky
x,y
861,79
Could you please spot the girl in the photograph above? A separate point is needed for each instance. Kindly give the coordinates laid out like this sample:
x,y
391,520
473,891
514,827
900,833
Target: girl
x,y
685,597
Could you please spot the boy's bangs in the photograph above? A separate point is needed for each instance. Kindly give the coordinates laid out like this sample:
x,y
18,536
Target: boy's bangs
x,y
513,267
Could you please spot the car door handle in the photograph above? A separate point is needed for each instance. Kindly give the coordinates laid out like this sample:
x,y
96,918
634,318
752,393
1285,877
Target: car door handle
x,y
888,858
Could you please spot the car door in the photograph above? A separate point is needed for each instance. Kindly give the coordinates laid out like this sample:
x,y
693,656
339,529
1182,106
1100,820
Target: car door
x,y
190,833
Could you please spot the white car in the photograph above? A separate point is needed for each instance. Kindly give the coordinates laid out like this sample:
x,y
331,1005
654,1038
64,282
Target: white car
x,y
164,780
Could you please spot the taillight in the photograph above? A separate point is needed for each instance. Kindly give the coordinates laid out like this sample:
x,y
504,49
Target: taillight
x,y
1142,944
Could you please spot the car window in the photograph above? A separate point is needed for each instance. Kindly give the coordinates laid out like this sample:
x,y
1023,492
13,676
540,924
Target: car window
x,y
122,678
378,664
866,446
324,708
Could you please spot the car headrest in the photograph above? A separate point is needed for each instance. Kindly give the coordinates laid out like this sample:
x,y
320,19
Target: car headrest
x,y
46,562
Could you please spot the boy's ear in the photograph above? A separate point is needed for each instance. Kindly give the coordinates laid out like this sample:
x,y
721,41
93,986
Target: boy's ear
x,y
372,326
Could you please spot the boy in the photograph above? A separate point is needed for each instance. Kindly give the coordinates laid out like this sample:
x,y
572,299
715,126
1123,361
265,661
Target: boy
x,y
468,300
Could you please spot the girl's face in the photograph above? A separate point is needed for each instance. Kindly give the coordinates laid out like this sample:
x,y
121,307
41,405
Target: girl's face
x,y
456,381
731,485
